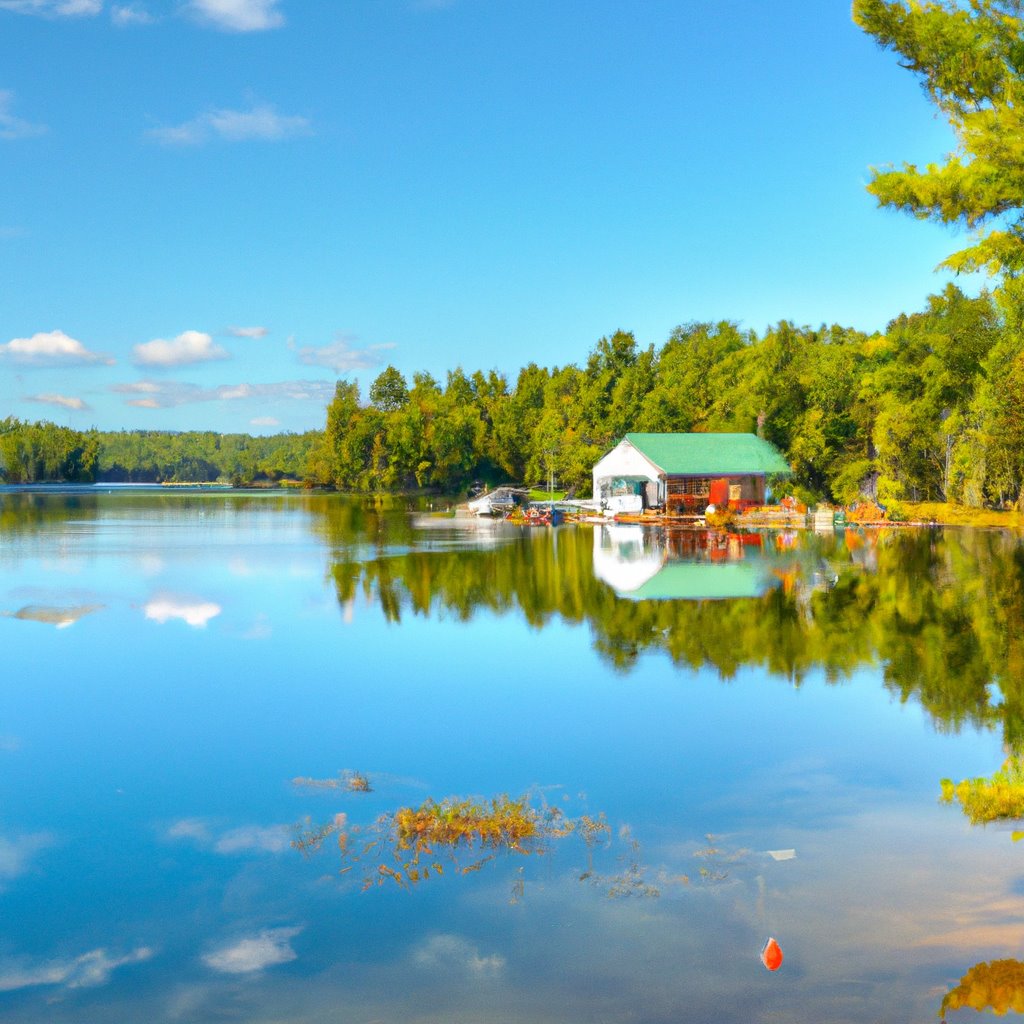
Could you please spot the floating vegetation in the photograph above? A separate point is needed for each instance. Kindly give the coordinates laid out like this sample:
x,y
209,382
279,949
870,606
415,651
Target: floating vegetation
x,y
460,836
997,986
725,519
355,782
717,860
59,617
410,844
999,798
631,879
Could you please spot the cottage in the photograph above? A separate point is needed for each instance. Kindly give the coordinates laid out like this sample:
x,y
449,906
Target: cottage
x,y
676,471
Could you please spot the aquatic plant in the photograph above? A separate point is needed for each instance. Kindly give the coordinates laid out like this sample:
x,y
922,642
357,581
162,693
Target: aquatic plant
x,y
717,859
348,779
723,519
996,799
412,844
409,844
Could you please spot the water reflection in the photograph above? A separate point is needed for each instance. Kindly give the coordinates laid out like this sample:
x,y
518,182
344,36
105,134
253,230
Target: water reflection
x,y
940,611
996,987
89,970
645,564
194,612
144,795
53,616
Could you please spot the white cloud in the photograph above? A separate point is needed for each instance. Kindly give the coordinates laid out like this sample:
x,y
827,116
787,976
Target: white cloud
x,y
188,347
86,971
190,828
12,127
18,851
151,564
130,14
260,124
195,613
50,348
169,394
254,839
342,356
248,332
49,398
238,15
447,952
271,946
264,421
259,630
54,8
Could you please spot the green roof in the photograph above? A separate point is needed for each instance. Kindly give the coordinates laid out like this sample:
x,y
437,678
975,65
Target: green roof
x,y
703,581
710,454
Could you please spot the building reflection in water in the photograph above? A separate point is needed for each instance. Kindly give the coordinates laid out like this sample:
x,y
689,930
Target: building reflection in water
x,y
644,564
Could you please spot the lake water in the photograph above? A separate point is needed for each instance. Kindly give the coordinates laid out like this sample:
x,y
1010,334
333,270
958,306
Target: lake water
x,y
755,729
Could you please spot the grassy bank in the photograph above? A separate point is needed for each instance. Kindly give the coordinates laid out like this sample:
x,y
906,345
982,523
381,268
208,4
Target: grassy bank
x,y
961,515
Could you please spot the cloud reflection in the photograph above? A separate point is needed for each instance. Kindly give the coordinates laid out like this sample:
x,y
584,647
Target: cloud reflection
x,y
453,952
86,971
17,852
197,614
244,839
270,947
254,839
189,828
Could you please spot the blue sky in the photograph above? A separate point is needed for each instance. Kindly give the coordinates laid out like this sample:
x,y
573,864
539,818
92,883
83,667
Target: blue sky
x,y
212,209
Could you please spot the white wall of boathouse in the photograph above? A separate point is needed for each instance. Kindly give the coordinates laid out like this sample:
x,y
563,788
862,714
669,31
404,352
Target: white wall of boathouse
x,y
623,462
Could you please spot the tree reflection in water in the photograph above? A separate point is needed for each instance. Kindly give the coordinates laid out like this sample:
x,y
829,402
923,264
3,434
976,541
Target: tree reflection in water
x,y
997,987
940,611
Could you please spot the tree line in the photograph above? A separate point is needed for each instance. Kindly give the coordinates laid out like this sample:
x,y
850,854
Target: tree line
x,y
925,411
35,452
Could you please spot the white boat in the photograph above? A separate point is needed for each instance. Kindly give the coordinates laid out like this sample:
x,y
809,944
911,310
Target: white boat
x,y
498,502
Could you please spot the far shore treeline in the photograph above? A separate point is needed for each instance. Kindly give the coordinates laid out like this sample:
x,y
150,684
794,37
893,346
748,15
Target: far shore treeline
x,y
45,452
933,409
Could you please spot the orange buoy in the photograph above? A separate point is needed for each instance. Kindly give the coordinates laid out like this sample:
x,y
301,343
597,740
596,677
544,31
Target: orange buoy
x,y
771,955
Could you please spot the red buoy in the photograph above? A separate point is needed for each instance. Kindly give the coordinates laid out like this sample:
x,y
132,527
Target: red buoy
x,y
771,955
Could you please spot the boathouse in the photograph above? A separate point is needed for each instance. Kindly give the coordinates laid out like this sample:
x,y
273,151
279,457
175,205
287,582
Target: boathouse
x,y
685,472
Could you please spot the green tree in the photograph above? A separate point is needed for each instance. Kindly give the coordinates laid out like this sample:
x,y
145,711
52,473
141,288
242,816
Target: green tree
x,y
970,59
389,392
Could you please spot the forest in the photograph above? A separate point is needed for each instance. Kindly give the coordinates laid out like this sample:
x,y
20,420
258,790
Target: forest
x,y
45,452
925,411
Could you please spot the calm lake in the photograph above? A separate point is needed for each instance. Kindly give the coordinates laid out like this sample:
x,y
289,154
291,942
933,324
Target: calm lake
x,y
722,740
